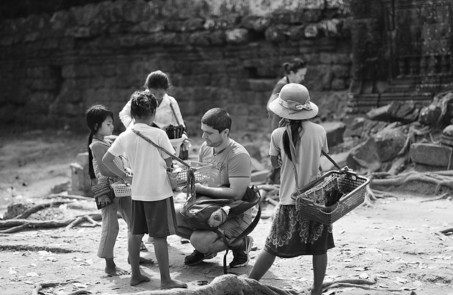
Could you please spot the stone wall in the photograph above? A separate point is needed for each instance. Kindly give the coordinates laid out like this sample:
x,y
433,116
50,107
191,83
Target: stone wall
x,y
55,64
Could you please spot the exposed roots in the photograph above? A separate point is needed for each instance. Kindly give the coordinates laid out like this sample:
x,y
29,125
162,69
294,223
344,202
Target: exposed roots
x,y
16,225
40,286
441,197
39,207
441,179
447,231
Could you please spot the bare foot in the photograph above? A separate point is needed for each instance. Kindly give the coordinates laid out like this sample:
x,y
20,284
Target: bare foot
x,y
172,284
139,279
115,271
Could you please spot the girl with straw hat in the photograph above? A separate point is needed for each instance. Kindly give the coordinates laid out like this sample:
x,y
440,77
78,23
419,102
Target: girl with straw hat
x,y
297,147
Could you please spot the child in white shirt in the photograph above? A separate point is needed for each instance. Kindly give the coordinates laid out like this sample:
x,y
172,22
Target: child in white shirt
x,y
152,196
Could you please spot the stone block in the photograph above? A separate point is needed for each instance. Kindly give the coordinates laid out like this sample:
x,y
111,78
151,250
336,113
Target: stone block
x,y
334,132
431,154
389,143
259,176
80,178
364,155
448,131
237,36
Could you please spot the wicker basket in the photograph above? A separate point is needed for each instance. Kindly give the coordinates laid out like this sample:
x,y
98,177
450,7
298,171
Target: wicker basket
x,y
202,173
120,189
351,185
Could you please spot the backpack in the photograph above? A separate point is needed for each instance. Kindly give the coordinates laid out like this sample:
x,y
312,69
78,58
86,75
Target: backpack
x,y
204,213
198,213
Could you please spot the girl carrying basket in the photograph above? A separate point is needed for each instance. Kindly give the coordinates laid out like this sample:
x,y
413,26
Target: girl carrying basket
x,y
298,143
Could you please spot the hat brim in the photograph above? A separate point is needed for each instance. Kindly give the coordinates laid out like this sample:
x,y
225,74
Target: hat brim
x,y
283,112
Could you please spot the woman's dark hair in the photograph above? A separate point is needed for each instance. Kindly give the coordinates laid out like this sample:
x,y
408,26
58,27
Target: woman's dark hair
x,y
296,128
95,116
143,104
217,119
156,80
294,65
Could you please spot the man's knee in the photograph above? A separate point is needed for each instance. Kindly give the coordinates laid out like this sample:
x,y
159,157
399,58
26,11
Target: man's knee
x,y
203,241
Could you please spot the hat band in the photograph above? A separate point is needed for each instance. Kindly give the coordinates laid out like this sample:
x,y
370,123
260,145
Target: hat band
x,y
294,106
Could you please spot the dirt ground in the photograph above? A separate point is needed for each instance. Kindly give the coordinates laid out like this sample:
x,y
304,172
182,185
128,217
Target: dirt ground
x,y
396,241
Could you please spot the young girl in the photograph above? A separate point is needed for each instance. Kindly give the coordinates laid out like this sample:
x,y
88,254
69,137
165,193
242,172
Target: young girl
x,y
152,196
100,122
299,144
167,112
295,71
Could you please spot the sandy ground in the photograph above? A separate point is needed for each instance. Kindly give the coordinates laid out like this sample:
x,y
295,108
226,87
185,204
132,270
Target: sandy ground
x,y
396,241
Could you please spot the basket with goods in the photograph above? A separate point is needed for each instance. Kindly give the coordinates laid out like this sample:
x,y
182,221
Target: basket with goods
x,y
121,189
332,196
201,171
183,174
174,132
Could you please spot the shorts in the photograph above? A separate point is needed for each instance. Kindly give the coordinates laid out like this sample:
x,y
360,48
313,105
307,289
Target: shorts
x,y
155,218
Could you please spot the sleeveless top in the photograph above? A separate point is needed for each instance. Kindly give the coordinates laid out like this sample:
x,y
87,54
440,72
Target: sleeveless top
x,y
97,172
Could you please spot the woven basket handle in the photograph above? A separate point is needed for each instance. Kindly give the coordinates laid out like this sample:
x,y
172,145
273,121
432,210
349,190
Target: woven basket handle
x,y
331,160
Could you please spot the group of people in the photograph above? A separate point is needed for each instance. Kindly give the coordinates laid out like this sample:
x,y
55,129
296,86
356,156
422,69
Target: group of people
x,y
295,148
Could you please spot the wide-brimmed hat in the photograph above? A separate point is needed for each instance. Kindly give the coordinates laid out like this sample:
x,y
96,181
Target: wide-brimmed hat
x,y
293,102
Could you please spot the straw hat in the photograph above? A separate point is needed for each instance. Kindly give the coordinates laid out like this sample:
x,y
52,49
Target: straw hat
x,y
293,102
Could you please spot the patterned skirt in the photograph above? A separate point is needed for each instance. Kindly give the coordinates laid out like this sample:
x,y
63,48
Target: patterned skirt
x,y
292,235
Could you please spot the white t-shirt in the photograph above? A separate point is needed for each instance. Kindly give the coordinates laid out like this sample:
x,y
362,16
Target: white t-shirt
x,y
308,149
150,181
164,114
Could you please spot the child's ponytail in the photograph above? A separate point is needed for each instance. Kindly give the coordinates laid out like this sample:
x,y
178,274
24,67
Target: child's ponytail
x,y
90,157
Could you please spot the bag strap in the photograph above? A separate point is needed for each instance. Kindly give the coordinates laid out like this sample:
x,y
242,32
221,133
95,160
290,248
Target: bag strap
x,y
245,233
159,147
174,114
331,160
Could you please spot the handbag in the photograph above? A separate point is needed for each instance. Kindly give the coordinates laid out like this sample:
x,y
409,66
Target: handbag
x,y
177,132
102,189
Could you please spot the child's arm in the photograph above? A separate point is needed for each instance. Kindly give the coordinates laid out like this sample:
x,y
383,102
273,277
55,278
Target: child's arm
x,y
99,150
169,162
107,161
125,115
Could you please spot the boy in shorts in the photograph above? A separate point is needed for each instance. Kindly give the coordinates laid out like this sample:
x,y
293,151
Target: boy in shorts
x,y
152,196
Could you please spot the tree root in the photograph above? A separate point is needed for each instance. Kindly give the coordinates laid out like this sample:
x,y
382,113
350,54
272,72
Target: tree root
x,y
40,286
382,195
447,231
35,248
348,285
440,179
81,219
73,197
16,225
39,207
441,197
